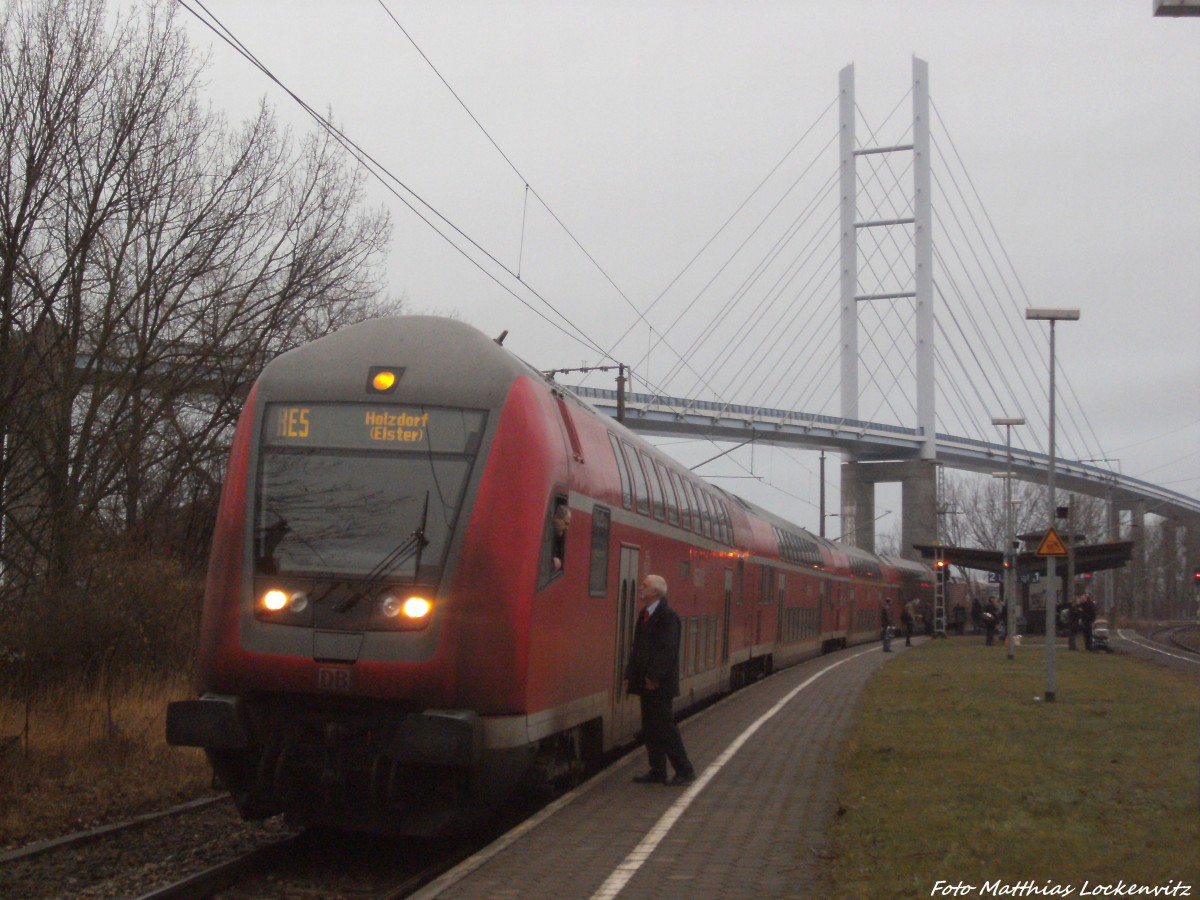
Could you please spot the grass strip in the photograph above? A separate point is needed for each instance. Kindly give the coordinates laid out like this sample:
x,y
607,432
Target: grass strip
x,y
957,772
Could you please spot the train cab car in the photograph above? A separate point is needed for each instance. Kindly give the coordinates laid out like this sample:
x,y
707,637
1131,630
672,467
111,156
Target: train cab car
x,y
365,640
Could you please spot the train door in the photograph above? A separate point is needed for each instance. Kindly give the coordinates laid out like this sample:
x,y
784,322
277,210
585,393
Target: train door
x,y
781,610
726,616
626,713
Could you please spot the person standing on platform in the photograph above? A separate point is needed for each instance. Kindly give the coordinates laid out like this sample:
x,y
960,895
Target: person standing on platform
x,y
908,618
1074,621
989,621
652,673
885,625
1087,618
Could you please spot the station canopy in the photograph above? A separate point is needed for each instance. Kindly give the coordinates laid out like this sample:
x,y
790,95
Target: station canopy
x,y
1088,557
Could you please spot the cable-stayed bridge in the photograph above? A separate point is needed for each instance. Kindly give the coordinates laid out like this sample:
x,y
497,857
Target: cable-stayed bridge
x,y
874,442
812,323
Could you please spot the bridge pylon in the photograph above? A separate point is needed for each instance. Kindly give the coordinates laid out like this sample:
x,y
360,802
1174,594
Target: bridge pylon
x,y
921,225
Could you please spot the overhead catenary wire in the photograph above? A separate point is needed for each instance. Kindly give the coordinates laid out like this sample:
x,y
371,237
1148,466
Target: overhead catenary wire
x,y
412,200
391,182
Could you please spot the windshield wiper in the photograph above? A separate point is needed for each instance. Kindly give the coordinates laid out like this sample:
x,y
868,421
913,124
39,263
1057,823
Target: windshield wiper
x,y
398,556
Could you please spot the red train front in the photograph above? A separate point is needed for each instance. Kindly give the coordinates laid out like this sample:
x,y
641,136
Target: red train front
x,y
358,659
393,638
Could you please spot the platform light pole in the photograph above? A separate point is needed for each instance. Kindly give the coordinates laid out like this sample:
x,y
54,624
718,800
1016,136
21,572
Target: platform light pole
x,y
1052,316
1010,539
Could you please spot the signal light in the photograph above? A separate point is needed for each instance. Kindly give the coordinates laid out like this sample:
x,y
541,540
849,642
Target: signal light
x,y
1196,576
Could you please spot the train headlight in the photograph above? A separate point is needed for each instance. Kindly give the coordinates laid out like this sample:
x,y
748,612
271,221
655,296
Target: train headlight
x,y
417,607
413,608
276,600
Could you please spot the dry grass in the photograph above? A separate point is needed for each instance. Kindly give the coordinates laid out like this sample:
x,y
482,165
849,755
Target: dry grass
x,y
91,757
959,772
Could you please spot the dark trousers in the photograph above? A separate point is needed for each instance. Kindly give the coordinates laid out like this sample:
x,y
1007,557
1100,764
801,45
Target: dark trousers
x,y
661,735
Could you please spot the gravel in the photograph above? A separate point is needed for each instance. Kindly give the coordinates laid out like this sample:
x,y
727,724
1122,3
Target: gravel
x,y
129,862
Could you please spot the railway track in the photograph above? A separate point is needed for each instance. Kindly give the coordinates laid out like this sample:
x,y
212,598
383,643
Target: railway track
x,y
1182,637
131,858
204,849
318,863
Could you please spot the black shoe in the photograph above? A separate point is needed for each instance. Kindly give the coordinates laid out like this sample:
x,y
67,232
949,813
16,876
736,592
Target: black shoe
x,y
651,778
682,778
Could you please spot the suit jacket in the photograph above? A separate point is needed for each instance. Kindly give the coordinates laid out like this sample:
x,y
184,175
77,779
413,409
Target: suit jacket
x,y
655,653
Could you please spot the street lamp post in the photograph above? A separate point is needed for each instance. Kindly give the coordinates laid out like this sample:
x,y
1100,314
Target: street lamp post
x,y
1010,540
1052,316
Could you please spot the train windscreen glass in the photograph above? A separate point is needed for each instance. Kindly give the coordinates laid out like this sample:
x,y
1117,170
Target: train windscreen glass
x,y
344,488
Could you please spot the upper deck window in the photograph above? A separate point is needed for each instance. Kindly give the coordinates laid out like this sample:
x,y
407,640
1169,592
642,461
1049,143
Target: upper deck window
x,y
622,471
641,487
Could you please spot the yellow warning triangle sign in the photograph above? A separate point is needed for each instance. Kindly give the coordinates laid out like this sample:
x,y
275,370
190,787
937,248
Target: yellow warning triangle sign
x,y
1052,545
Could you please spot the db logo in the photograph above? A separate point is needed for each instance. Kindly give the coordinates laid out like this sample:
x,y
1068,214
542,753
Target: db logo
x,y
330,679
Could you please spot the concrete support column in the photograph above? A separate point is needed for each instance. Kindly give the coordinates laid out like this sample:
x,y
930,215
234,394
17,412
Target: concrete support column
x,y
1170,561
918,525
1191,561
1137,565
858,505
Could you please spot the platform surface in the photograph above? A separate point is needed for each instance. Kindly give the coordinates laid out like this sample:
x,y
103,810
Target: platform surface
x,y
752,825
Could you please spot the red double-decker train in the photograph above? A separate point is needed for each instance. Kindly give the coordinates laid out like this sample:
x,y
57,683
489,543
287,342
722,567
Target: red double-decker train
x,y
396,636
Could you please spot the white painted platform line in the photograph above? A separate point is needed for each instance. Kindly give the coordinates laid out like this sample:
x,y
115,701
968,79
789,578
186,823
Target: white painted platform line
x,y
1135,638
620,876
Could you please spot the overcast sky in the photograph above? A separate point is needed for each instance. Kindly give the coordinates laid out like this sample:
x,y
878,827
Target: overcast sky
x,y
643,125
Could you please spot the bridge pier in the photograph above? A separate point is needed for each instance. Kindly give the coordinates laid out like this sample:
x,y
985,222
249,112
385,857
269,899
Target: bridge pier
x,y
1130,596
918,523
1191,562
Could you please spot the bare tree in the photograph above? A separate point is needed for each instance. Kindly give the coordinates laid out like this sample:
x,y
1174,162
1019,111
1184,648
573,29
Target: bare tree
x,y
152,258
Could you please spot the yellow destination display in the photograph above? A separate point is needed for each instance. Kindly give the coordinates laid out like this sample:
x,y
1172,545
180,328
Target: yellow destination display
x,y
397,426
356,426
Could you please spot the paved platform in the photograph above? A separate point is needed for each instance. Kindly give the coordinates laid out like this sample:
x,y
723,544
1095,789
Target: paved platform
x,y
752,825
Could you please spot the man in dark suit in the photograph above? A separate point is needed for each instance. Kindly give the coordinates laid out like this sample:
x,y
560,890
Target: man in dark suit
x,y
653,674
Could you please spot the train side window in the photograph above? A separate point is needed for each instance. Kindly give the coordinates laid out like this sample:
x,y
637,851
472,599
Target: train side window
x,y
766,586
569,424
641,496
706,522
689,494
554,541
668,493
685,510
598,576
622,471
722,514
656,491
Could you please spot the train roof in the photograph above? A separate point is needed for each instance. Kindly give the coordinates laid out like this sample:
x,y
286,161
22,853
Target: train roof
x,y
476,373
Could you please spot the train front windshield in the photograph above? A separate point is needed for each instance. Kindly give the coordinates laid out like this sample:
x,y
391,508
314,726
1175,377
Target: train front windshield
x,y
349,490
